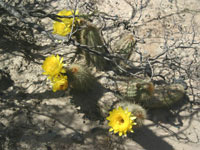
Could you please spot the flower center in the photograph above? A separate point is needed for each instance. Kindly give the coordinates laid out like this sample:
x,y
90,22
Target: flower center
x,y
62,87
120,120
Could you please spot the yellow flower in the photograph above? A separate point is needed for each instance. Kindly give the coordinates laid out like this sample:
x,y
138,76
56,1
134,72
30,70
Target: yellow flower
x,y
121,121
60,83
53,66
63,28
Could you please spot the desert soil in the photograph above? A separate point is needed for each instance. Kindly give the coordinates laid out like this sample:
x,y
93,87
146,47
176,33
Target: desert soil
x,y
33,117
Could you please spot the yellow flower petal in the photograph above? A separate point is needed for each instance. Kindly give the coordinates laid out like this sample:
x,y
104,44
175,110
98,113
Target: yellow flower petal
x,y
111,129
52,66
120,133
121,121
60,83
63,28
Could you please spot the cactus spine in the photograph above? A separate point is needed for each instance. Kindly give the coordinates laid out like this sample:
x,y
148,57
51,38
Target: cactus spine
x,y
165,96
136,110
90,36
80,78
140,90
149,96
124,46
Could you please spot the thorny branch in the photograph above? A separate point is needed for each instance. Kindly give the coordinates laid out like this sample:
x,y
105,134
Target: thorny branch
x,y
138,6
170,65
16,13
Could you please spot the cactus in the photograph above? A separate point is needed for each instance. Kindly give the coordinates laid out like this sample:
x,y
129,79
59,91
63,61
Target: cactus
x,y
80,78
90,36
150,96
124,46
165,96
136,110
140,90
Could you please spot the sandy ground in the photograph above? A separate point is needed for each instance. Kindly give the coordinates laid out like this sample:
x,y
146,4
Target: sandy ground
x,y
33,117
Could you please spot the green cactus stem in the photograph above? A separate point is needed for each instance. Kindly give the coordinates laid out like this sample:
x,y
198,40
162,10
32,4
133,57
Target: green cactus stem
x,y
80,78
140,89
124,46
151,96
165,96
89,35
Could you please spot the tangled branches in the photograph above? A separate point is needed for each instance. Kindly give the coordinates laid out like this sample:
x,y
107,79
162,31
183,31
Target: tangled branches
x,y
173,57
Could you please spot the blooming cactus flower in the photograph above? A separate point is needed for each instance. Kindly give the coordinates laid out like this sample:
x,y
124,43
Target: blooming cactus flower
x,y
52,66
121,121
60,83
63,28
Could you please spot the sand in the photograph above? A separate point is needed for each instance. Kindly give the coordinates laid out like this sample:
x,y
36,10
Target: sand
x,y
33,117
